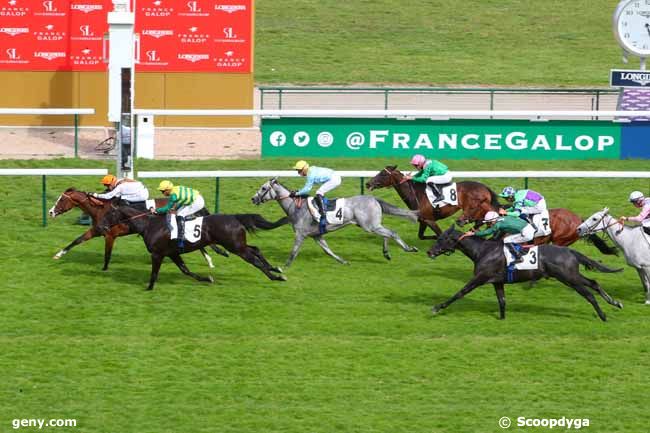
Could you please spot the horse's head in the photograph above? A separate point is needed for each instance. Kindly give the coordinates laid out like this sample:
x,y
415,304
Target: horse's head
x,y
446,243
389,176
595,223
266,192
70,198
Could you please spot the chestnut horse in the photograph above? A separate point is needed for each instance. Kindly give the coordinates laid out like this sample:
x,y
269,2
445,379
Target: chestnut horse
x,y
97,208
474,198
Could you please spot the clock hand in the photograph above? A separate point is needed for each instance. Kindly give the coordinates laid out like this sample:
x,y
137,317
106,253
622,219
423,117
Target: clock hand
x,y
647,27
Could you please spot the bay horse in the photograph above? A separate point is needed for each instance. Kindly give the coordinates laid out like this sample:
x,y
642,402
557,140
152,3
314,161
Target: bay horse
x,y
476,199
228,231
554,261
365,211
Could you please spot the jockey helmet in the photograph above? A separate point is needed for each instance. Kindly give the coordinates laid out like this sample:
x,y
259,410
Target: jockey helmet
x,y
301,165
636,196
165,185
418,160
108,179
508,191
491,216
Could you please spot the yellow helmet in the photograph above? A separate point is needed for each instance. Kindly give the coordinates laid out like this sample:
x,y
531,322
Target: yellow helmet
x,y
301,165
165,185
108,179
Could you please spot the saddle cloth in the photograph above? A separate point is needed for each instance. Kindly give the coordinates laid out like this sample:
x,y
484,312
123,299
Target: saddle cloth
x,y
531,259
449,193
543,223
150,204
333,208
193,230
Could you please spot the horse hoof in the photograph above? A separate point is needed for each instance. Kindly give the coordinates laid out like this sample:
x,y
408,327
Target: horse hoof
x,y
280,271
435,310
344,262
282,278
414,250
210,279
57,256
619,304
647,302
387,256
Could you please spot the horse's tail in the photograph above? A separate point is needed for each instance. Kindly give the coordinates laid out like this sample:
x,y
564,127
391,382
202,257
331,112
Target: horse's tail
x,y
592,264
602,245
254,221
390,209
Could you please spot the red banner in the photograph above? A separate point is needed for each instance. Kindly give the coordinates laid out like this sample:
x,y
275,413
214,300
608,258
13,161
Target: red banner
x,y
175,35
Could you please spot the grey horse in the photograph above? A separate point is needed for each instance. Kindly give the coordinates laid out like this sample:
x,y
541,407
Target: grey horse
x,y
364,210
630,239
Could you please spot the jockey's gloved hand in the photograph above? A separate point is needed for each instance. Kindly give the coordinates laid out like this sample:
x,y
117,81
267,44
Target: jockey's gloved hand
x,y
94,194
292,194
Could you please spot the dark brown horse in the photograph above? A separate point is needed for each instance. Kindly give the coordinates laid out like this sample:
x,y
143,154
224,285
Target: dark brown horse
x,y
474,198
97,208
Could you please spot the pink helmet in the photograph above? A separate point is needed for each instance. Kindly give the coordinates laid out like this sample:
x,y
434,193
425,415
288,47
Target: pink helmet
x,y
418,160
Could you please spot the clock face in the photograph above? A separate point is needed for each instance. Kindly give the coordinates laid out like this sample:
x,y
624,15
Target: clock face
x,y
632,26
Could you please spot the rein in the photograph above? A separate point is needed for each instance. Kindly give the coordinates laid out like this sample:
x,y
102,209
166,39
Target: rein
x,y
410,184
590,228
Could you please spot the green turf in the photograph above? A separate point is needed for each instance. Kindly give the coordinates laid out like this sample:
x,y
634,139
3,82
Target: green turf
x,y
336,348
439,42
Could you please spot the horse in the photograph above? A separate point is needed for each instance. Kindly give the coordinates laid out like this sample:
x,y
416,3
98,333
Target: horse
x,y
228,231
476,200
554,261
631,240
364,210
97,208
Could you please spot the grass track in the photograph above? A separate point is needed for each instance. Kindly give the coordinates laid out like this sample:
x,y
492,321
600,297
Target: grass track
x,y
336,348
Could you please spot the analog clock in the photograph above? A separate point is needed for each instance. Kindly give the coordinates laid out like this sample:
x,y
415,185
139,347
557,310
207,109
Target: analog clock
x,y
632,26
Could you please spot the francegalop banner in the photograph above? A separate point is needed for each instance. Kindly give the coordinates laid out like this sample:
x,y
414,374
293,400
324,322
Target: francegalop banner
x,y
453,139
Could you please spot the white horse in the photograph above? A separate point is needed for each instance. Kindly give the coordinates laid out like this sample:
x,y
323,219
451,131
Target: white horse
x,y
631,240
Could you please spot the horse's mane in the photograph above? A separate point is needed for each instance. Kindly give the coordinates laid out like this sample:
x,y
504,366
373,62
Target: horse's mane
x,y
71,189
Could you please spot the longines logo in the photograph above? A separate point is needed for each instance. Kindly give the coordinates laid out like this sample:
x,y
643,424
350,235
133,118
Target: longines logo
x,y
50,9
13,10
13,31
49,34
86,8
193,10
230,8
49,56
194,57
157,10
158,33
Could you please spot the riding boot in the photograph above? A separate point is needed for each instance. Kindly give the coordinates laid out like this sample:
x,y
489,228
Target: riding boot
x,y
529,219
436,191
515,250
322,225
181,231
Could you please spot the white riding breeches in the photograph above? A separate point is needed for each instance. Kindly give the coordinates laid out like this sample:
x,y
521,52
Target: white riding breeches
x,y
538,208
329,185
527,234
196,206
441,179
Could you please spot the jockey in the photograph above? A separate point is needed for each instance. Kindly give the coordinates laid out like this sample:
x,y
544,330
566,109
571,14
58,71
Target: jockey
x,y
525,203
639,201
320,175
129,190
185,201
432,172
518,231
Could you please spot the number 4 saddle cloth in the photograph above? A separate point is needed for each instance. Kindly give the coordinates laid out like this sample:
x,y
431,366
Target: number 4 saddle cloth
x,y
193,230
333,210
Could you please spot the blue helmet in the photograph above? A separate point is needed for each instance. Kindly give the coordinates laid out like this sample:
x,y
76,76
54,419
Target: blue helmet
x,y
508,192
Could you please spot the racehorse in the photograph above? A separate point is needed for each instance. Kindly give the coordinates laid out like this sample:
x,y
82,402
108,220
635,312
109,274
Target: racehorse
x,y
560,263
364,210
631,240
97,208
228,231
476,199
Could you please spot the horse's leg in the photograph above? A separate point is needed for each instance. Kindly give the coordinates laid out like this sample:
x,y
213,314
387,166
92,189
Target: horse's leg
x,y
387,233
422,228
109,240
590,298
297,243
471,285
156,261
501,297
644,274
248,255
176,258
594,285
207,257
219,251
88,234
259,255
323,244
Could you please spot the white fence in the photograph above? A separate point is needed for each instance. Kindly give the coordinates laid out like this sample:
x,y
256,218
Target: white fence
x,y
44,172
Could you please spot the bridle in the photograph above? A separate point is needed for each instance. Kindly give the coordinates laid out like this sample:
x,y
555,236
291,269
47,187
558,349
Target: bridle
x,y
590,229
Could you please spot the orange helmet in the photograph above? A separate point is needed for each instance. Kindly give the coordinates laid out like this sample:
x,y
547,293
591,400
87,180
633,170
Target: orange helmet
x,y
108,179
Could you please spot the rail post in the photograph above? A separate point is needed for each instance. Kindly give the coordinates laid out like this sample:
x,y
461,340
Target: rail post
x,y
361,184
525,183
76,136
216,195
44,202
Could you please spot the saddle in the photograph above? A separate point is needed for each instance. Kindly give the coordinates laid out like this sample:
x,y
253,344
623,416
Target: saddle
x,y
329,204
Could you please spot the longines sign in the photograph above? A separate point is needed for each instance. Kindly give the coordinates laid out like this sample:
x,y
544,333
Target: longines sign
x,y
626,78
